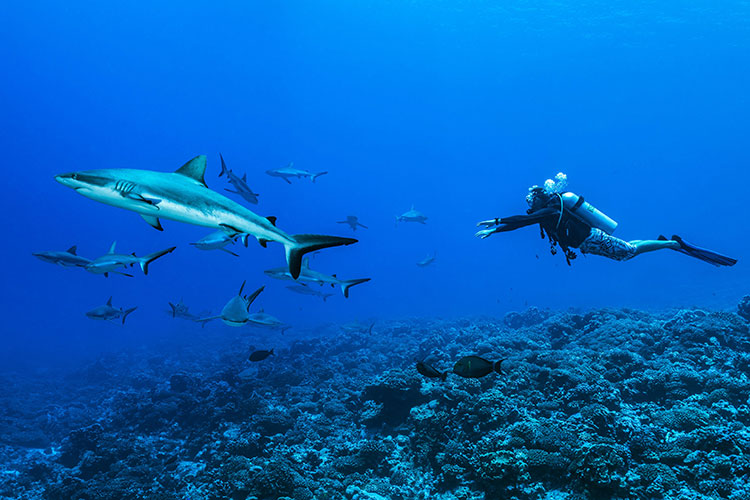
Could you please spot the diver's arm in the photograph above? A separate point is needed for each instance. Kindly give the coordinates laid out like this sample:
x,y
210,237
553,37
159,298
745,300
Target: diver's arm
x,y
515,222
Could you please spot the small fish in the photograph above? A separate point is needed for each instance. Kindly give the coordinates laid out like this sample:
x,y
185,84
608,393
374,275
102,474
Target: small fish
x,y
256,356
430,372
475,367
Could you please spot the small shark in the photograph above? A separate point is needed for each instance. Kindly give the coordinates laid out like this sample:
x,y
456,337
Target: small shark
x,y
289,171
306,290
107,312
307,274
216,241
427,260
412,216
111,261
353,222
68,258
240,184
180,310
265,320
184,197
237,310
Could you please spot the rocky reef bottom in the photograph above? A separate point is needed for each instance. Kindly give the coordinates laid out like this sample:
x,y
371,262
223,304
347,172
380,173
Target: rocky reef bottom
x,y
607,404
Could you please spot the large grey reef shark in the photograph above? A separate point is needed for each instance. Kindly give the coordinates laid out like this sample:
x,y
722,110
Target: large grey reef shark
x,y
290,171
107,312
184,197
68,258
310,276
111,261
239,183
412,216
237,311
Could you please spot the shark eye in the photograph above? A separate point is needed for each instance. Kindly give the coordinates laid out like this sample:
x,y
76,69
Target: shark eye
x,y
74,177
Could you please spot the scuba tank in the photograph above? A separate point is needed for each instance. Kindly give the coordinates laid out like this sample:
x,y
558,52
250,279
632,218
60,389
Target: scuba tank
x,y
587,212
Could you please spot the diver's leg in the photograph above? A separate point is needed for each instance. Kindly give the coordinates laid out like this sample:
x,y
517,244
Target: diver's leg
x,y
643,246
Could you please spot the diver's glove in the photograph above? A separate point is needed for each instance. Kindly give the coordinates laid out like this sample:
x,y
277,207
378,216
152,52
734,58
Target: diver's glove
x,y
488,223
484,233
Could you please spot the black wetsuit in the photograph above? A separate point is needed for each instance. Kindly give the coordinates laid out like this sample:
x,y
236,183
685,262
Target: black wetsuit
x,y
568,231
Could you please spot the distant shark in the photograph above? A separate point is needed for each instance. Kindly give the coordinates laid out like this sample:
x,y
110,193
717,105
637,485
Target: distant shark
x,y
353,222
239,183
304,289
67,258
264,320
111,261
215,241
290,172
427,260
412,215
307,274
107,312
237,310
183,196
180,310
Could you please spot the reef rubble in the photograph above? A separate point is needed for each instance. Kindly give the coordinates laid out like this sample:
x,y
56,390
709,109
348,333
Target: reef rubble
x,y
604,404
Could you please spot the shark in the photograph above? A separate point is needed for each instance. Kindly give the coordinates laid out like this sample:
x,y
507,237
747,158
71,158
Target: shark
x,y
304,289
308,275
108,312
353,222
412,215
112,261
239,183
183,196
68,258
217,240
180,310
237,311
290,171
264,320
427,260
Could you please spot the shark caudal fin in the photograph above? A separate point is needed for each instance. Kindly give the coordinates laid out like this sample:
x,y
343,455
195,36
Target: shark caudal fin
x,y
174,309
224,169
315,176
306,243
148,259
126,312
346,285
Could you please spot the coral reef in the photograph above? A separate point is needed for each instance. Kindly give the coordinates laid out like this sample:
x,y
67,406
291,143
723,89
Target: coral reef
x,y
605,404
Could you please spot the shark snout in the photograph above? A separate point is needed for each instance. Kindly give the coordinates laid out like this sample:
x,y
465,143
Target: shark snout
x,y
66,179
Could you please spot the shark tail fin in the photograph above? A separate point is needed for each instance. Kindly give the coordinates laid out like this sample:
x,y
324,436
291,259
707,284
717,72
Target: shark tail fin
x,y
174,309
305,243
224,169
315,176
346,285
250,298
148,259
127,311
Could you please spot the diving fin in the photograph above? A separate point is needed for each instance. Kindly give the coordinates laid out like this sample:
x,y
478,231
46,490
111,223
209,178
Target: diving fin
x,y
703,254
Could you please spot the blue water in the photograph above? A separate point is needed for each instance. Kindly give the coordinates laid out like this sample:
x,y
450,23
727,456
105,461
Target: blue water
x,y
456,107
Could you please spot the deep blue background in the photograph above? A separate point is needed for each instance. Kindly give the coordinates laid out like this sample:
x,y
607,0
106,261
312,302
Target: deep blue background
x,y
454,106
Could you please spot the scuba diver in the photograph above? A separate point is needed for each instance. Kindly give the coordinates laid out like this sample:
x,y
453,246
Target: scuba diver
x,y
571,222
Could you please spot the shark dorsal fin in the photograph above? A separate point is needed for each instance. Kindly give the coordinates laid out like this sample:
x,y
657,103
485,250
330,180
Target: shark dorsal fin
x,y
72,249
109,302
112,248
290,165
412,207
195,169
244,177
272,220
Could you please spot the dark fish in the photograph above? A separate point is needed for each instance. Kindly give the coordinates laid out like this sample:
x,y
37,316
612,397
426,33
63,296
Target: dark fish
x,y
256,356
475,367
430,372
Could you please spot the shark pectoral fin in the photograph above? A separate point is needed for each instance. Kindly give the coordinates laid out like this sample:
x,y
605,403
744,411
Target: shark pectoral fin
x,y
230,191
231,231
229,252
287,180
153,221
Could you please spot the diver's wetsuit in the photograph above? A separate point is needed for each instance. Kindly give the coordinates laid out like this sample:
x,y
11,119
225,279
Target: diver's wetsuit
x,y
567,230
